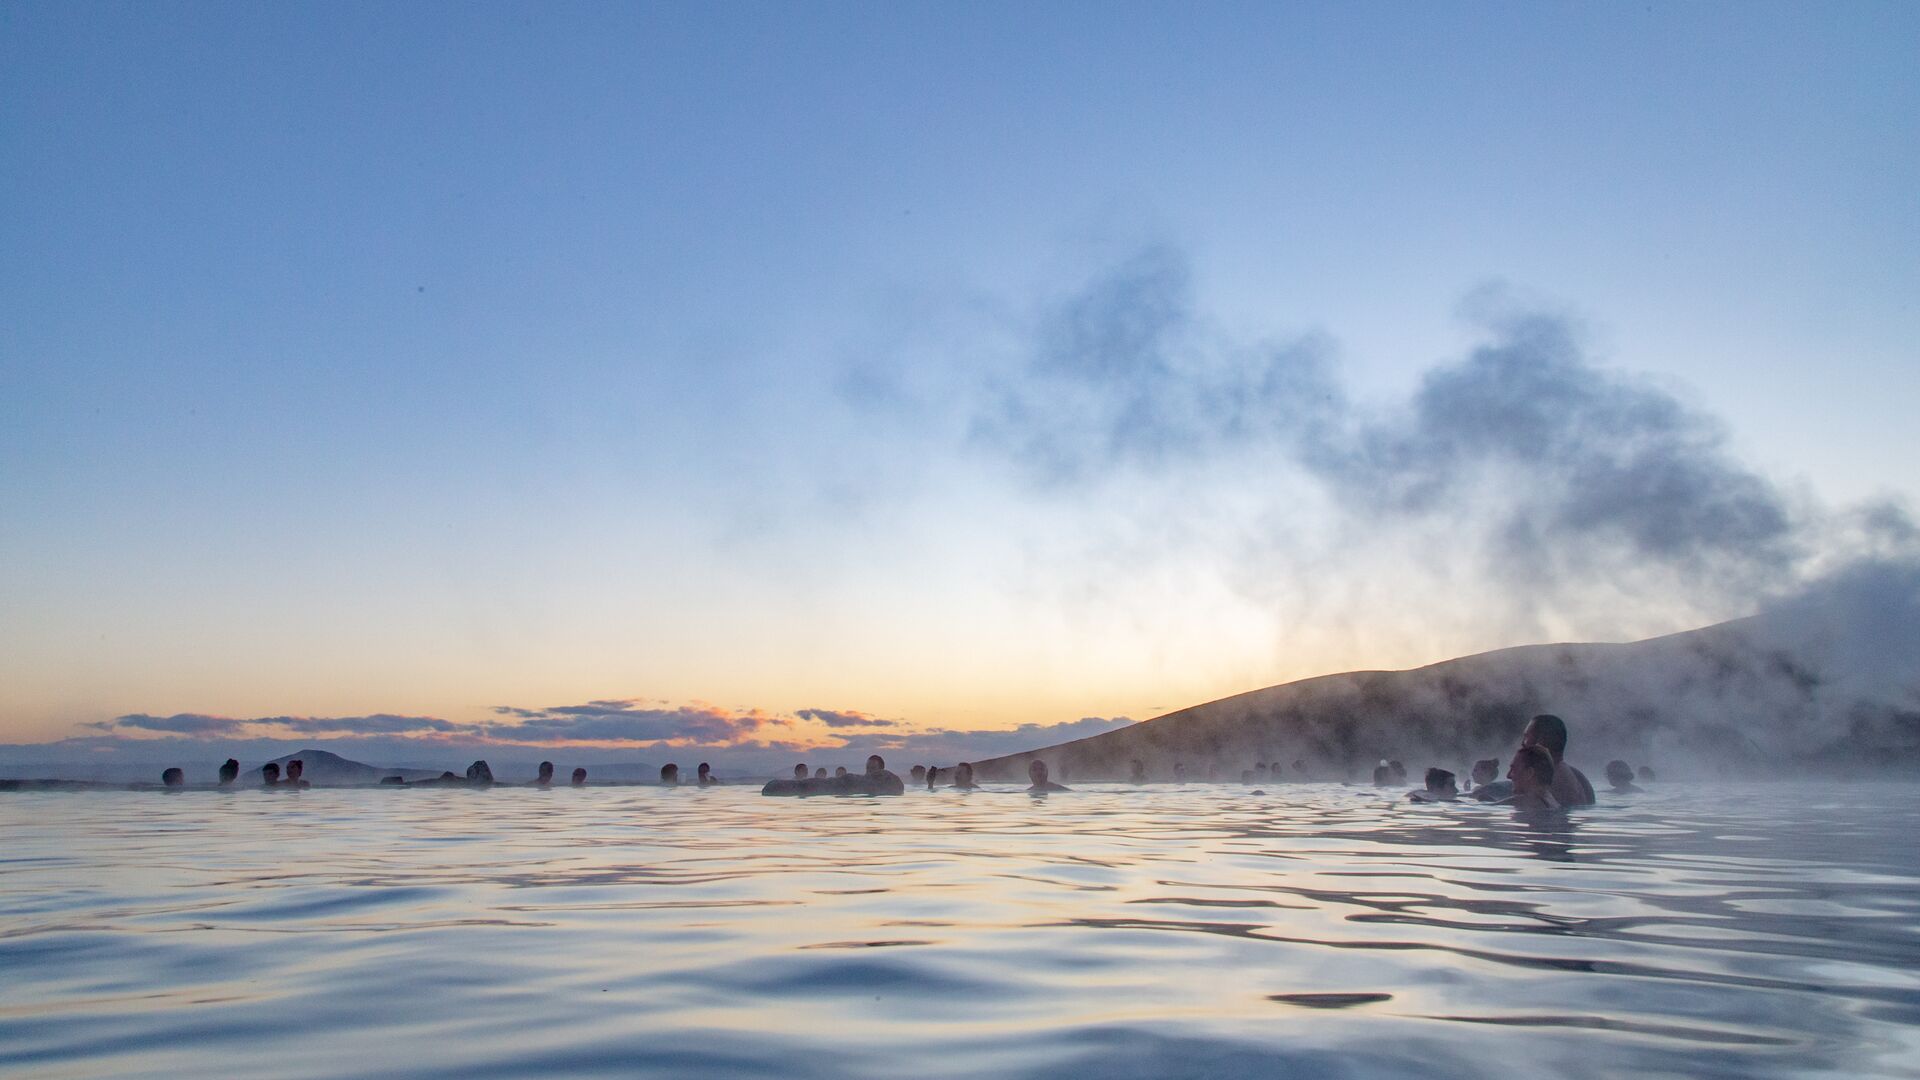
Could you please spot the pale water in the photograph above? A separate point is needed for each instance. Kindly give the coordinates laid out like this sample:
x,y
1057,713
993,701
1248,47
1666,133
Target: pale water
x,y
1201,931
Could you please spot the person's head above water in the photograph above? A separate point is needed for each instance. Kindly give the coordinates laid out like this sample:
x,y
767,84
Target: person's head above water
x,y
1548,732
295,768
704,772
876,765
480,772
1486,771
229,771
800,771
1037,771
1531,771
269,774
579,777
820,773
1441,780
839,771
546,773
669,773
173,777
919,772
963,775
1619,774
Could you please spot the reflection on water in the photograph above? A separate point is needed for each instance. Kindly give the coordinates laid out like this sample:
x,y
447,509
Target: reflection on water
x,y
1315,930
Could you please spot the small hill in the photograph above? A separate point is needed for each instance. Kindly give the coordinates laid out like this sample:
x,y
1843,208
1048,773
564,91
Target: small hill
x,y
324,768
1828,682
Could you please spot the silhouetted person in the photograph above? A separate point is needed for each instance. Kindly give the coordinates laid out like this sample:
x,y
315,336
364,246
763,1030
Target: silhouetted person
x,y
1037,772
545,779
295,768
963,777
800,771
1440,787
1646,774
1570,785
919,774
933,777
839,771
670,774
820,773
1137,772
1399,772
704,774
1486,771
173,778
229,772
1620,777
480,773
1382,775
269,775
878,781
579,778
1532,773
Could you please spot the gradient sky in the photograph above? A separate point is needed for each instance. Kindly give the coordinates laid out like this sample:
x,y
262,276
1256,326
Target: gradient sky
x,y
433,359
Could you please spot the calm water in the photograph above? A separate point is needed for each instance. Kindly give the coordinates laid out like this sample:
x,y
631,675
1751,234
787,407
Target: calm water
x,y
1199,931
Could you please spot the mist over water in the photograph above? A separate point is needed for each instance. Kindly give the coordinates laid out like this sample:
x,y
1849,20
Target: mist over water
x,y
1718,930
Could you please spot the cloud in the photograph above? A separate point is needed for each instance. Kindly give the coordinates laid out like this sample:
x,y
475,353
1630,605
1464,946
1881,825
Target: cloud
x,y
178,724
836,719
630,721
205,726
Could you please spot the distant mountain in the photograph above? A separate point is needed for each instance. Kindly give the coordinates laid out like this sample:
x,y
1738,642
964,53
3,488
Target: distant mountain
x,y
324,768
1830,683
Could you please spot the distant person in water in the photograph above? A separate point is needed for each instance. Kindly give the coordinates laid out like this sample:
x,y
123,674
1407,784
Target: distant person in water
x,y
933,777
1486,771
269,775
545,779
1137,772
480,773
1646,774
1620,777
1382,775
820,773
839,771
579,778
229,772
1440,788
670,774
704,774
1532,773
1570,785
919,774
294,770
173,777
800,771
963,776
1399,772
1037,772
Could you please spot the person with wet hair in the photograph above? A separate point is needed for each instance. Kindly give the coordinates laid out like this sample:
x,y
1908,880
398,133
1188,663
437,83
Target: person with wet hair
x,y
579,778
1620,778
1532,773
545,779
963,777
878,781
295,769
1440,787
269,775
839,771
704,775
800,771
1137,772
1486,771
670,774
480,774
1570,785
229,772
820,773
1037,772
173,778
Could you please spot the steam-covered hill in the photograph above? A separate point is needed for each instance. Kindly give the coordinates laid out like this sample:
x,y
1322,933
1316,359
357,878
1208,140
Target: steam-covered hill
x,y
1831,680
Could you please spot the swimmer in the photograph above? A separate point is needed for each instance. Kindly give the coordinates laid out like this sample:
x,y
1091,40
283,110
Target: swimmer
x,y
704,775
269,775
1532,774
919,774
1382,774
800,771
229,772
1485,771
545,779
1137,773
579,778
1620,776
933,777
878,781
294,769
963,777
839,771
173,778
1037,772
1570,785
820,773
670,774
1440,788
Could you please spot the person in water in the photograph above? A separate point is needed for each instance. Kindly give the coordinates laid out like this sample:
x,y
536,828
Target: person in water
x,y
1570,785
1382,775
1137,772
545,779
800,771
1532,773
963,776
579,778
269,775
933,777
1485,771
1620,777
1440,788
839,771
919,775
1399,771
480,773
229,772
1037,772
820,773
670,774
878,781
704,774
295,768
173,777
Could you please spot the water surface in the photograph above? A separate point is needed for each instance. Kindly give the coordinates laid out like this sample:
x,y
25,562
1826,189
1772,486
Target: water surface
x,y
1315,930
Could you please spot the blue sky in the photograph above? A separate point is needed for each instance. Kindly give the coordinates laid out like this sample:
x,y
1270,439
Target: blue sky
x,y
429,360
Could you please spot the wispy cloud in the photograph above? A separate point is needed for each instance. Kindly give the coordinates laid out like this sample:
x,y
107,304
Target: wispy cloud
x,y
837,719
631,721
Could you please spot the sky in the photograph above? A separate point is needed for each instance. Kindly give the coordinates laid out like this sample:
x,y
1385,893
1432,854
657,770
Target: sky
x,y
643,375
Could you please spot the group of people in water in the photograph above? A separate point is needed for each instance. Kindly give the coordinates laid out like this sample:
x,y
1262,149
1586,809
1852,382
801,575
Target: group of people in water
x,y
1538,776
